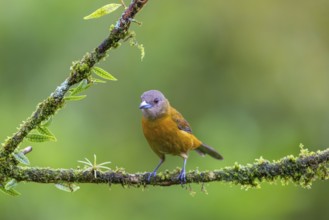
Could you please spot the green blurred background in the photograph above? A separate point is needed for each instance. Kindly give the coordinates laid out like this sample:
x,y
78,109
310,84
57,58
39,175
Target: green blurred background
x,y
251,77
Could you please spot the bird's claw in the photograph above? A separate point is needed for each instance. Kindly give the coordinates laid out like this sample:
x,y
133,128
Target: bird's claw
x,y
182,177
153,174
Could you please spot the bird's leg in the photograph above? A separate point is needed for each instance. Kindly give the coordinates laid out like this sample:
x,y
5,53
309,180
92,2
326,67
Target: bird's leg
x,y
182,175
154,173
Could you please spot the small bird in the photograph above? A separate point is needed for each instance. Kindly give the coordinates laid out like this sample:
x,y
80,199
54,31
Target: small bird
x,y
167,132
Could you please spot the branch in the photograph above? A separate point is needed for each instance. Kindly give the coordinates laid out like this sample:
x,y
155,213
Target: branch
x,y
301,170
79,71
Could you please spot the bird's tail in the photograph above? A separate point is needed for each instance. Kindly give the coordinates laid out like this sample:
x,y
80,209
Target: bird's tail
x,y
205,149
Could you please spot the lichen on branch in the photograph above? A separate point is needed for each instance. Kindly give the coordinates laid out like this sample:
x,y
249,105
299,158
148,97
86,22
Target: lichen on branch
x,y
301,170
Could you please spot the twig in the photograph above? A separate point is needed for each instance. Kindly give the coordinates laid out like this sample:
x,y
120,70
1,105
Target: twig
x,y
123,4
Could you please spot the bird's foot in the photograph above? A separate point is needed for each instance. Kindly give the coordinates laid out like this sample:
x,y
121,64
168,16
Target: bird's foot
x,y
153,174
182,177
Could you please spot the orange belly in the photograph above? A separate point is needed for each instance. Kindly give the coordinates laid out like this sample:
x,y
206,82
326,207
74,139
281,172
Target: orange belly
x,y
165,137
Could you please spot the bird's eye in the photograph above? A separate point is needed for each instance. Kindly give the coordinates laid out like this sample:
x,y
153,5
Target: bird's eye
x,y
156,100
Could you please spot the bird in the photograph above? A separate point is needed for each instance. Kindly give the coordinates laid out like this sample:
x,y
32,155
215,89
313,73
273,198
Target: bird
x,y
167,132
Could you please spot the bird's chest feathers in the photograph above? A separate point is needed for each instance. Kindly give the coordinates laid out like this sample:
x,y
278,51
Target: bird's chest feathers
x,y
165,137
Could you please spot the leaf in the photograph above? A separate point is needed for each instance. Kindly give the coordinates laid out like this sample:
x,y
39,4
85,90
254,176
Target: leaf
x,y
10,184
83,85
45,130
102,73
20,157
75,98
10,192
94,80
67,187
106,9
40,138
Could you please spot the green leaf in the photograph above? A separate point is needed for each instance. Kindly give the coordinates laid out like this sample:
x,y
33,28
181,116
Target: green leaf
x,y
44,130
75,98
83,85
67,187
20,157
10,184
106,9
94,80
40,138
102,73
10,192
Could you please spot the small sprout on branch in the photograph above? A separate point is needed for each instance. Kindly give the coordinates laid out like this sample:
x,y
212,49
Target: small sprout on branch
x,y
103,74
94,80
10,184
67,187
11,192
137,22
43,135
74,98
27,150
105,10
123,4
44,130
94,167
20,157
38,138
83,85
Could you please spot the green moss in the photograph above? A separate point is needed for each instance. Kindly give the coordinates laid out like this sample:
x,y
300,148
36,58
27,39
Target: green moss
x,y
236,166
116,45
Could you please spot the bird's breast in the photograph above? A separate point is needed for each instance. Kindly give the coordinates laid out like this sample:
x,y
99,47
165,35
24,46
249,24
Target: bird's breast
x,y
164,136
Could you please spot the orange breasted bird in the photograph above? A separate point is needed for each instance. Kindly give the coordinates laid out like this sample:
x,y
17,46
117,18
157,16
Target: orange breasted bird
x,y
167,132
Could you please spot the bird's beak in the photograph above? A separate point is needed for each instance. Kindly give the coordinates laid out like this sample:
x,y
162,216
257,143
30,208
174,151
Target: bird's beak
x,y
145,105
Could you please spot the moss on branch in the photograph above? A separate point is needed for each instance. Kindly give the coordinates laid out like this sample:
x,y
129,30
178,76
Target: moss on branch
x,y
301,170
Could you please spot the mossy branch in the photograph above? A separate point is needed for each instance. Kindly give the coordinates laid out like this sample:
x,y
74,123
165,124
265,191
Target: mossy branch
x,y
79,71
301,170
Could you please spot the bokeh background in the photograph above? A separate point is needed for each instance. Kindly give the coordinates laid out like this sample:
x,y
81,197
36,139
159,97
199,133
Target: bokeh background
x,y
251,77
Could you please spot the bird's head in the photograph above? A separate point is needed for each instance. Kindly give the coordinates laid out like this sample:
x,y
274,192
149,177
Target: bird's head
x,y
154,104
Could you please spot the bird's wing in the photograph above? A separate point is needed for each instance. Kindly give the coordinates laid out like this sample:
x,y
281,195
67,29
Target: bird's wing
x,y
182,124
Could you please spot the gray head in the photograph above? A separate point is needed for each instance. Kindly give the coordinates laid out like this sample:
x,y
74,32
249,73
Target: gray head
x,y
154,104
